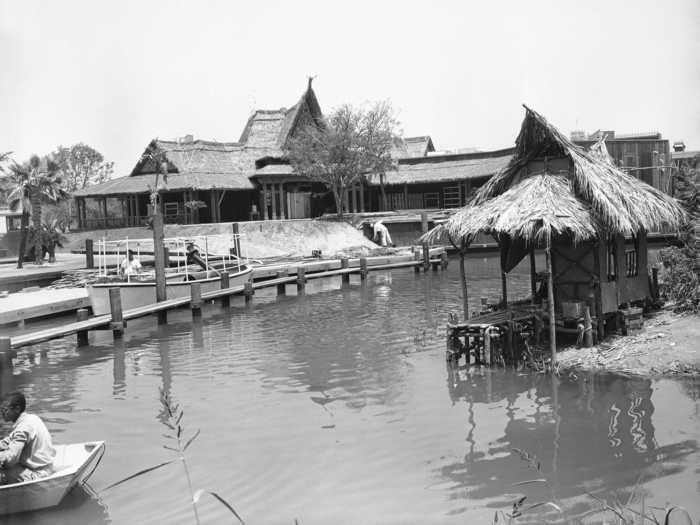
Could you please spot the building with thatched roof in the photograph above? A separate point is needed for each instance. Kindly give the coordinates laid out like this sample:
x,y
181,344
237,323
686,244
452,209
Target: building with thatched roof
x,y
212,181
591,216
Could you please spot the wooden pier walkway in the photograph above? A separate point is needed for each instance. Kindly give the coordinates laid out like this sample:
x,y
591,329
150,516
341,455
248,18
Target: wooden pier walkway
x,y
277,275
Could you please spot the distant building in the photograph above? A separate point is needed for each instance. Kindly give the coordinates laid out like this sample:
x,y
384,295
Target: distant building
x,y
252,180
647,156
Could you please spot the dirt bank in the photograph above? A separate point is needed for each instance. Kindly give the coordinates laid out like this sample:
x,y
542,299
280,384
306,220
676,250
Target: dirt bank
x,y
669,344
261,239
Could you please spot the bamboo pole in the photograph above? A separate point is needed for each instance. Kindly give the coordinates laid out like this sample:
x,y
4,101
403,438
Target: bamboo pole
x,y
550,300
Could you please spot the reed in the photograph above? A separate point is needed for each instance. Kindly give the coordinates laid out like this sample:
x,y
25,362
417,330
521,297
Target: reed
x,y
179,444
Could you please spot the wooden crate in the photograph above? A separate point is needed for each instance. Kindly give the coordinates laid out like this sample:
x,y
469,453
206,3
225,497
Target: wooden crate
x,y
632,320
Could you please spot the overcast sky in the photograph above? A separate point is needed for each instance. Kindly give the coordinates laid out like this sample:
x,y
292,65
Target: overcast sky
x,y
117,74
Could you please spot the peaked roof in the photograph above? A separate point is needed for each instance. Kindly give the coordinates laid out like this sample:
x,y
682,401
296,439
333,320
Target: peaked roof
x,y
202,164
522,204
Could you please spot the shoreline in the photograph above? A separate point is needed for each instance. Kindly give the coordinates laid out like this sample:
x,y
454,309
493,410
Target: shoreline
x,y
667,345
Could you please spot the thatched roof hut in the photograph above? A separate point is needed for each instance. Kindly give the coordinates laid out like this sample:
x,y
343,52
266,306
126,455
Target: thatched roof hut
x,y
591,216
582,198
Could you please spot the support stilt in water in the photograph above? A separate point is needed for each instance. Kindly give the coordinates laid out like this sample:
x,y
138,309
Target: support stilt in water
x,y
115,307
443,260
89,254
345,264
225,283
416,256
426,256
550,301
281,287
363,269
82,336
196,299
301,279
5,353
248,291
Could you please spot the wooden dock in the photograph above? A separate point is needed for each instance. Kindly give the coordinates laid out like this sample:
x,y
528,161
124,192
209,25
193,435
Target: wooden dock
x,y
277,275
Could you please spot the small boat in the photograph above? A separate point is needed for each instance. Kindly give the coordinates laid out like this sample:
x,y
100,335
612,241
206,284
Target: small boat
x,y
140,290
73,465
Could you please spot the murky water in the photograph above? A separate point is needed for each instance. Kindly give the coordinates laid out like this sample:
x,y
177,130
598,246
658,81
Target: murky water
x,y
338,407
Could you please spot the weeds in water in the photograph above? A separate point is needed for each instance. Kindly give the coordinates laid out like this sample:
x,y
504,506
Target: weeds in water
x,y
173,420
624,513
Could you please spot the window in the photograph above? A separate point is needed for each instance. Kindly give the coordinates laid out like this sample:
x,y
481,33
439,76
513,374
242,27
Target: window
x,y
170,208
431,200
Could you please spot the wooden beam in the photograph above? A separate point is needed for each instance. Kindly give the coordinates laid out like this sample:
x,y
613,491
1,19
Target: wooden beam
x,y
274,201
550,301
405,196
263,207
533,274
362,197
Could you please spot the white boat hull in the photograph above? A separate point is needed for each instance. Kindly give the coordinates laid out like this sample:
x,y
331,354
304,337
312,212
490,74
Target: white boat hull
x,y
74,463
137,294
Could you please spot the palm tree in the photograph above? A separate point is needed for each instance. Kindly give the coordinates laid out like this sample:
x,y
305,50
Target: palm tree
x,y
33,183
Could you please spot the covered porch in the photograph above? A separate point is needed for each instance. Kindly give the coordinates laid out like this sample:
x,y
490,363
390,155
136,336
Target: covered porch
x,y
177,207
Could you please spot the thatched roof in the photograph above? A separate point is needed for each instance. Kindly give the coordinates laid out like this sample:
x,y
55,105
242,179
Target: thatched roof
x,y
445,168
593,196
206,165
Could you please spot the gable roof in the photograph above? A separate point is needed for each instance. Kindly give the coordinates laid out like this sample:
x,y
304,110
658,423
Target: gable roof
x,y
202,164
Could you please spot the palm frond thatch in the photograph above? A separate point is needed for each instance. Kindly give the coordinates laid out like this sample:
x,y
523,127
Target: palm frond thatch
x,y
531,209
592,196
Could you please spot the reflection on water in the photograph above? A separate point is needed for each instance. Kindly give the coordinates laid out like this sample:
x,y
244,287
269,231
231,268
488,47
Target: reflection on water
x,y
338,407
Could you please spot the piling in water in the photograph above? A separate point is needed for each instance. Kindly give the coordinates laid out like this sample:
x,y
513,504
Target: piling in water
x,y
82,336
115,308
225,284
196,299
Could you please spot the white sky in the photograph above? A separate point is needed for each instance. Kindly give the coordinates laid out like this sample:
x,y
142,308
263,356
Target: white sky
x,y
117,74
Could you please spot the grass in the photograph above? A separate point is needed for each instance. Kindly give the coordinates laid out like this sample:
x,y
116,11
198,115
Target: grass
x,y
632,511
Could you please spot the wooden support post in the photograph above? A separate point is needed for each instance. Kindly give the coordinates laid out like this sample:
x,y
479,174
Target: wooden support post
x,y
504,288
115,308
435,266
599,255
82,315
345,264
236,239
5,353
281,287
655,283
89,254
423,221
363,268
248,291
301,279
463,282
166,257
533,275
426,256
196,299
443,259
362,197
587,328
225,284
416,256
550,301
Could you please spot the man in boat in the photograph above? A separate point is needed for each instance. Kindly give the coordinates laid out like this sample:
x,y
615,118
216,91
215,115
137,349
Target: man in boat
x,y
26,453
130,265
380,234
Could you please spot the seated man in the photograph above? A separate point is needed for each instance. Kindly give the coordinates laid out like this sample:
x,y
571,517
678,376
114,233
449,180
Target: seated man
x,y
130,265
26,453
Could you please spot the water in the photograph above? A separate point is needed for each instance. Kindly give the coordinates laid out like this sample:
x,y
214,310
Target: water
x,y
338,407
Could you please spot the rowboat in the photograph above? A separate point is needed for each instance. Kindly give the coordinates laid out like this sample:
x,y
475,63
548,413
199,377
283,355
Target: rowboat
x,y
73,465
195,263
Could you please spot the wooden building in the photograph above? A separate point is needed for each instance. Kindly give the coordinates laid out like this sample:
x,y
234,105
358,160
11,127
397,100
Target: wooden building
x,y
645,156
591,217
211,181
